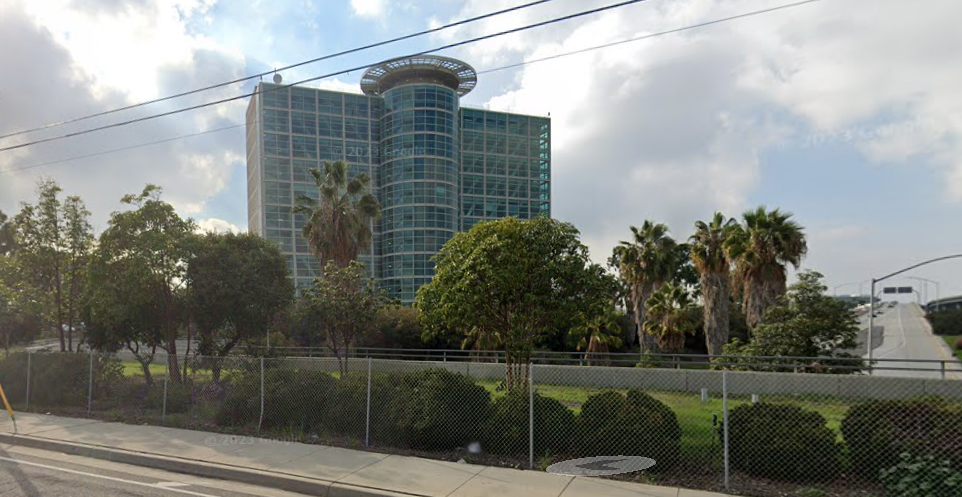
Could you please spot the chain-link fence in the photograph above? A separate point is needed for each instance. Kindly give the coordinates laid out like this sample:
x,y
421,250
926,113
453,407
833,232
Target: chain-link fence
x,y
755,433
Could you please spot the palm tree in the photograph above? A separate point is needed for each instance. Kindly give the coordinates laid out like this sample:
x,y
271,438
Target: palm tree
x,y
669,317
338,225
598,336
645,263
761,248
714,271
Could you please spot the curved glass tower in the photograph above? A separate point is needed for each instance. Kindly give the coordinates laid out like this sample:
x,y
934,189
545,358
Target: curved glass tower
x,y
438,167
419,164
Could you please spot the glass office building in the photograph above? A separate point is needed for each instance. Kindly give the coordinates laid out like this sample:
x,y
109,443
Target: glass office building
x,y
437,168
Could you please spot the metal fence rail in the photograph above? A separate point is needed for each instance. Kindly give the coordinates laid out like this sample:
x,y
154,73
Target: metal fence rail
x,y
707,429
945,367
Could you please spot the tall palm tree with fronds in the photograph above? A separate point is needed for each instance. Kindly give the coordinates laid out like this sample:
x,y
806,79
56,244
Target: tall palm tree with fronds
x,y
714,270
598,336
669,317
646,262
338,225
761,248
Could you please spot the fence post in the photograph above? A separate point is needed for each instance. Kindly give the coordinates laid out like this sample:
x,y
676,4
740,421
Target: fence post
x,y
367,423
163,414
941,364
260,420
90,383
445,356
530,415
725,421
26,403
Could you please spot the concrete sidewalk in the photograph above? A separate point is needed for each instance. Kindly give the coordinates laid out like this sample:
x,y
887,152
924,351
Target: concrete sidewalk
x,y
305,468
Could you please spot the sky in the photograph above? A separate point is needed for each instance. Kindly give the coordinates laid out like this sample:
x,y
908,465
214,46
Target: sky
x,y
846,113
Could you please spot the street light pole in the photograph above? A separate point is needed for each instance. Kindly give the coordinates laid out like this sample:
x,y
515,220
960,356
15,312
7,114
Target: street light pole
x,y
927,281
871,316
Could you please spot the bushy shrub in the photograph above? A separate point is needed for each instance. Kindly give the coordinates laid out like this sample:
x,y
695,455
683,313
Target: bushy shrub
x,y
293,398
178,397
783,442
59,379
349,409
925,476
632,425
506,431
878,431
436,409
946,321
430,409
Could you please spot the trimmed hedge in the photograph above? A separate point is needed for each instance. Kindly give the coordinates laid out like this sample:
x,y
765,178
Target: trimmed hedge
x,y
632,425
879,431
506,431
436,409
783,442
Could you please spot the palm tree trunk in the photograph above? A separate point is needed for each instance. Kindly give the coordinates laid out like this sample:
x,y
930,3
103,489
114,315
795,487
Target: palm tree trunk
x,y
752,304
759,296
715,295
647,343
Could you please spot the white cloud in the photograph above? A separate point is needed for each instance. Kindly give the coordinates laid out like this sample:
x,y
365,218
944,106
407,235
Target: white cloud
x,y
74,60
369,8
335,84
673,128
214,225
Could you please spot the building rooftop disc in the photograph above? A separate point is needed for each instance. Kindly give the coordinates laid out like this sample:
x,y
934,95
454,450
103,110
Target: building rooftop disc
x,y
432,69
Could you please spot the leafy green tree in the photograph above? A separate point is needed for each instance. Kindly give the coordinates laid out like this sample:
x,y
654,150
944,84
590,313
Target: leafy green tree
x,y
123,308
505,283
151,246
761,248
340,309
19,306
646,262
238,284
7,240
339,224
54,240
670,317
805,323
714,269
396,326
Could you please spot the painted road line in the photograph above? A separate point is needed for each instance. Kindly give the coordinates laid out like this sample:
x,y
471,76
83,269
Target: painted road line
x,y
154,486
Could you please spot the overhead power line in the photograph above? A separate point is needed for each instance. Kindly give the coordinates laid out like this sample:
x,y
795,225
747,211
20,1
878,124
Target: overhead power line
x,y
122,149
650,35
275,70
556,56
325,76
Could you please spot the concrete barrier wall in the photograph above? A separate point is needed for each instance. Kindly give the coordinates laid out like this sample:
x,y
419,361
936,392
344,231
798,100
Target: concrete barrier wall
x,y
745,382
678,380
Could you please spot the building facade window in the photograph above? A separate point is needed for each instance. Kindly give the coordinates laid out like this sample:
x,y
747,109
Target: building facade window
x,y
435,168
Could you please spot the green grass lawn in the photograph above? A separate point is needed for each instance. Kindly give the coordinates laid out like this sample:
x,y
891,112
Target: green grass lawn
x,y
133,368
157,369
696,418
950,339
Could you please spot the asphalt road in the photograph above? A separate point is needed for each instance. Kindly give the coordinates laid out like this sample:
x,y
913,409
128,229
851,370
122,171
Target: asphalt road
x,y
34,473
906,335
